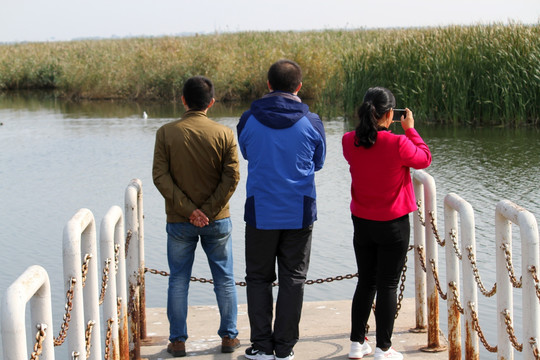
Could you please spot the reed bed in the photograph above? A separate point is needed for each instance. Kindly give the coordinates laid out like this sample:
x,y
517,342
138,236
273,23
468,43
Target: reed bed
x,y
472,74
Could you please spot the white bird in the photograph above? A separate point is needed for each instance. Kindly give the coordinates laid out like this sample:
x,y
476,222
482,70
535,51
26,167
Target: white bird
x,y
144,115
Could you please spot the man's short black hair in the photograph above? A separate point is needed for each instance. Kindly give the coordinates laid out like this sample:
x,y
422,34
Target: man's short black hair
x,y
285,75
198,92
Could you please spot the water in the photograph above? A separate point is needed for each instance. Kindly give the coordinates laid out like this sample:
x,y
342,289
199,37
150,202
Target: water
x,y
57,157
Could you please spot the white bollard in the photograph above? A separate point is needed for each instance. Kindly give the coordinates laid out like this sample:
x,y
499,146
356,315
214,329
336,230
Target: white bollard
x,y
507,213
453,204
34,286
419,274
431,253
111,232
79,240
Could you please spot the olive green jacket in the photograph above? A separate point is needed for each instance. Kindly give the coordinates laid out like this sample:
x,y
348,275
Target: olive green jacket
x,y
195,167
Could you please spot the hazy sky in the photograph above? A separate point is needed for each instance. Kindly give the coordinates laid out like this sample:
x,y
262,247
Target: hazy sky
x,y
47,20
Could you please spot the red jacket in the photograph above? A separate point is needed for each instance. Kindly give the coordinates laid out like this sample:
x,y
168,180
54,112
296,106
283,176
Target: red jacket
x,y
381,186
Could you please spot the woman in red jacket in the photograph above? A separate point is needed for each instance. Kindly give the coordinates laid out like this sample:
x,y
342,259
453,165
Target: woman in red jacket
x,y
382,198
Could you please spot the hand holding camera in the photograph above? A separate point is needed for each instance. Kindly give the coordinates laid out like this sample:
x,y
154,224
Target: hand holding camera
x,y
405,116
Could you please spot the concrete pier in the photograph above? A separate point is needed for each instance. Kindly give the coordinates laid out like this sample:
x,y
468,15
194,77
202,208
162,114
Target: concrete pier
x,y
324,333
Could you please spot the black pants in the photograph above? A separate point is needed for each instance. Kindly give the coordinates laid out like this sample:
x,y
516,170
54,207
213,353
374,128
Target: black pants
x,y
380,248
292,249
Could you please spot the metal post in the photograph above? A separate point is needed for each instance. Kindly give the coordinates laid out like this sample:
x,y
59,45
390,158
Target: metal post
x,y
34,286
434,344
112,230
80,238
419,274
455,203
452,278
135,265
121,292
506,213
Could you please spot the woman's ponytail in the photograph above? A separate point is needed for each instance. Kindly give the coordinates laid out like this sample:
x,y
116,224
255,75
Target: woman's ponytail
x,y
377,102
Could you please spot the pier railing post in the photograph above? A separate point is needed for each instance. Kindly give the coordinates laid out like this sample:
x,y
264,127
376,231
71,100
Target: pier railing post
x,y
34,286
507,213
419,274
135,266
453,204
80,238
430,211
112,232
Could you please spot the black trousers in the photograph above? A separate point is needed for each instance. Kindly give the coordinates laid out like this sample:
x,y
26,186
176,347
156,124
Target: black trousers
x,y
292,250
380,248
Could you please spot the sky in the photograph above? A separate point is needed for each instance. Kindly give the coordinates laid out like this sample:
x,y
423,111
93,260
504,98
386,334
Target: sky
x,y
64,20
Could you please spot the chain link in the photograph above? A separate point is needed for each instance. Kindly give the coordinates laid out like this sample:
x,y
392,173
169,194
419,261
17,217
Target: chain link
x,y
532,270
108,337
420,214
104,281
88,336
243,283
421,257
510,331
436,278
84,269
75,355
435,229
534,346
476,325
510,267
453,237
476,273
40,337
455,294
67,316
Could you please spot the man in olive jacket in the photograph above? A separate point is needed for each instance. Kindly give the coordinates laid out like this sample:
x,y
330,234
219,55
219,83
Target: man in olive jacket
x,y
196,170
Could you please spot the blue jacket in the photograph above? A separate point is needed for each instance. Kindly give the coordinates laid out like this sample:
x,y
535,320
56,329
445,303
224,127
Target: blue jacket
x,y
284,145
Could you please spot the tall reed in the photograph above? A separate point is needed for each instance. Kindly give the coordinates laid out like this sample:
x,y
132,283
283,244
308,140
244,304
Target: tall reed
x,y
480,74
454,74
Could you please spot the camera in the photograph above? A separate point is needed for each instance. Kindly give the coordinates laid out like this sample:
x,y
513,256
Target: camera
x,y
398,113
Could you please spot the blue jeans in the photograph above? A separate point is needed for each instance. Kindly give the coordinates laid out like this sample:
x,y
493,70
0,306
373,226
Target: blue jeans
x,y
182,239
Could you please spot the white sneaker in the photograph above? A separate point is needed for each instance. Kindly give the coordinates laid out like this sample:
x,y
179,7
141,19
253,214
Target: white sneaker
x,y
389,354
289,357
359,350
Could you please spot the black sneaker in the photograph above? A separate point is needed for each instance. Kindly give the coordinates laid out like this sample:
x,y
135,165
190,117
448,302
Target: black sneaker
x,y
254,354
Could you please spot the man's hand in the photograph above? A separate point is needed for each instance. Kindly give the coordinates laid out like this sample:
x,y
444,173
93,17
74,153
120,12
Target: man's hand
x,y
198,218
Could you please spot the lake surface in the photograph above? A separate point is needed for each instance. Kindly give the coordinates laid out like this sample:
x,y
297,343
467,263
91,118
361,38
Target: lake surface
x,y
57,157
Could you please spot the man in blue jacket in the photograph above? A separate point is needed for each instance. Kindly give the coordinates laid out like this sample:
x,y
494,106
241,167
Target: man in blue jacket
x,y
284,145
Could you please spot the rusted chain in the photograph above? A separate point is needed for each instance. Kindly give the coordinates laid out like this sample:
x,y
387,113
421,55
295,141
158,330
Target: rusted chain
x,y
483,290
455,293
40,337
534,346
436,277
478,329
420,214
84,269
108,337
129,234
243,283
435,229
118,308
104,281
510,331
67,316
510,267
455,245
532,270
402,286
88,336
421,257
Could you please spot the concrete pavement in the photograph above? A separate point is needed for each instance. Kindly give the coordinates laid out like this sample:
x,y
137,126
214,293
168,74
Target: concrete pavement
x,y
324,333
